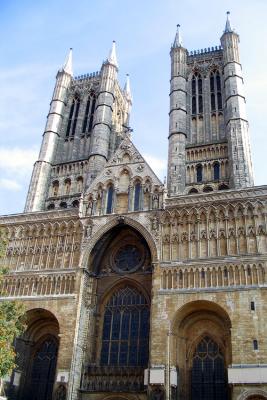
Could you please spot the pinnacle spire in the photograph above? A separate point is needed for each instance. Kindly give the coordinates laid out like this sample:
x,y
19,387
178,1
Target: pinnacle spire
x,y
178,42
67,67
228,28
112,58
127,88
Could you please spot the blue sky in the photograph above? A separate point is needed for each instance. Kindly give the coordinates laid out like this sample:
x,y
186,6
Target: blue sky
x,y
36,35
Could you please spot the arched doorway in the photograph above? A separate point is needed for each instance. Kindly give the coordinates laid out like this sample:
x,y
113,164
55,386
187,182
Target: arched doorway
x,y
120,263
42,375
37,353
202,350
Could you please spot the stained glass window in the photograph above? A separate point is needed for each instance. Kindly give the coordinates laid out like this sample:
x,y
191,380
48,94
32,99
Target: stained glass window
x,y
208,377
126,329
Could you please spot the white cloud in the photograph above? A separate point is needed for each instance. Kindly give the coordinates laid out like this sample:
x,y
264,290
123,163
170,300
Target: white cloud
x,y
10,184
17,160
157,164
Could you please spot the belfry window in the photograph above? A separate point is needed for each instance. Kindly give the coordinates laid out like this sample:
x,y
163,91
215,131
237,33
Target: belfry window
x,y
137,192
215,91
193,85
208,376
110,199
125,329
73,117
196,91
200,104
89,113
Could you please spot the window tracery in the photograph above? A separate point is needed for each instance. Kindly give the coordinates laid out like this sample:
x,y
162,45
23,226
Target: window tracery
x,y
125,329
208,376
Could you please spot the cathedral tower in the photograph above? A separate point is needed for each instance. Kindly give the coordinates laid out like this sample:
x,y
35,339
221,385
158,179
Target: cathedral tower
x,y
208,139
88,118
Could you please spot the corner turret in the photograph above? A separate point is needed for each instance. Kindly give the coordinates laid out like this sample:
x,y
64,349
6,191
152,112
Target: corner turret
x,y
177,117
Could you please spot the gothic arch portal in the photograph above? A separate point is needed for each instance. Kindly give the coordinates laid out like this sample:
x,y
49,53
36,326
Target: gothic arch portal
x,y
119,261
201,344
37,351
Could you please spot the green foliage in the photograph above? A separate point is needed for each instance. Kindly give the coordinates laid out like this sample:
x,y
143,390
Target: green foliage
x,y
12,324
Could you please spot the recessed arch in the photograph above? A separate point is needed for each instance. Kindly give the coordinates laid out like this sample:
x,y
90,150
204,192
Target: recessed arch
x,y
122,220
39,344
196,324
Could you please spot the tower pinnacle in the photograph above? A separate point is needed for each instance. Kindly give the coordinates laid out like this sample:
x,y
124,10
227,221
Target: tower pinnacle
x,y
228,28
127,88
68,63
178,38
112,58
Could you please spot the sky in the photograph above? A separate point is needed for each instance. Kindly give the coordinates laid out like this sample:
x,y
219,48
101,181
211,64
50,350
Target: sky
x,y
35,37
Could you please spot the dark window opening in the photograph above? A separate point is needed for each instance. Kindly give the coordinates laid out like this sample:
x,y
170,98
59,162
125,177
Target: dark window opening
x,y
75,116
75,203
194,105
51,206
126,329
216,171
110,199
200,104
199,173
255,345
70,118
137,191
218,82
212,83
199,86
192,191
219,100
86,114
252,306
63,205
193,86
207,189
212,102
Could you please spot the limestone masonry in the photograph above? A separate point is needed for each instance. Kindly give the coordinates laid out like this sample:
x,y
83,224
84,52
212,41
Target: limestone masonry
x,y
135,289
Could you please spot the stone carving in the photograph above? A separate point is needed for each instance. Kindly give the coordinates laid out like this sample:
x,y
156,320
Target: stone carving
x,y
166,238
60,393
154,223
203,234
251,230
140,168
241,231
213,234
155,201
261,230
88,231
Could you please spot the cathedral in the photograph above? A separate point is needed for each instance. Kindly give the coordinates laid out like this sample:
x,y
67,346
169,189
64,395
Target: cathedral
x,y
134,288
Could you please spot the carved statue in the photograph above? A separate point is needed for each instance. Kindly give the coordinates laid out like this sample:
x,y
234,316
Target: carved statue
x,y
155,201
88,231
89,209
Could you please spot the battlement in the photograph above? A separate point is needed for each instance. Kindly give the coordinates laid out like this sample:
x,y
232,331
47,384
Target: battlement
x,y
87,76
209,51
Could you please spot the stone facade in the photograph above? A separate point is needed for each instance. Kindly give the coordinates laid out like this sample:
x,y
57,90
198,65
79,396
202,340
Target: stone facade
x,y
133,290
